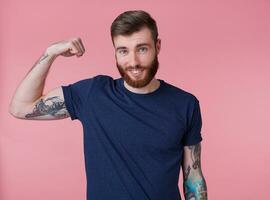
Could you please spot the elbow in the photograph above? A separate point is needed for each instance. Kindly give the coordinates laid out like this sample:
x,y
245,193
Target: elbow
x,y
14,111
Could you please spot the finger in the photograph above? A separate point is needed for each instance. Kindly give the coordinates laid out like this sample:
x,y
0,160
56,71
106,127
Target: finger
x,y
82,48
81,44
76,47
73,50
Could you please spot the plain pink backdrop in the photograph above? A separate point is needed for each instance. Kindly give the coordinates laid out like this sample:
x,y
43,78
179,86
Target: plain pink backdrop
x,y
217,50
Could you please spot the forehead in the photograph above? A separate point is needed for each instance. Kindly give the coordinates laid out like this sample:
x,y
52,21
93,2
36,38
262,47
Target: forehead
x,y
141,36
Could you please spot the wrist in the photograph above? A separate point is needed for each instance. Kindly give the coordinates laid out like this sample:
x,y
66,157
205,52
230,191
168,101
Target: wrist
x,y
50,53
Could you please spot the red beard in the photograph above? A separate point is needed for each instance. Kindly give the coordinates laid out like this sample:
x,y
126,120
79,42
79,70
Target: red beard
x,y
150,72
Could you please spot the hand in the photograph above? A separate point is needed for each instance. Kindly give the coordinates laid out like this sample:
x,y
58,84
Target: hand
x,y
67,48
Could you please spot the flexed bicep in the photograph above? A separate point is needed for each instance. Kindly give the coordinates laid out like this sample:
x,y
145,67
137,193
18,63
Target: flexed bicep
x,y
48,107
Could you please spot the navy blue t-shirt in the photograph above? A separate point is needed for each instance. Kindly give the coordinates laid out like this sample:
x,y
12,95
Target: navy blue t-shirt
x,y
133,143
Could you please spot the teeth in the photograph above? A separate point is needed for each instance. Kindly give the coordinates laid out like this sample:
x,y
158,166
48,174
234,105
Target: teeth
x,y
136,71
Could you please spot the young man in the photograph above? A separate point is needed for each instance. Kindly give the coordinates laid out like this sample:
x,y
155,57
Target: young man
x,y
138,130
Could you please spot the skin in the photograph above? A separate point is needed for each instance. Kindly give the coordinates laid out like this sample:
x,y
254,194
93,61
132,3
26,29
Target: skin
x,y
29,102
49,105
194,182
138,50
54,106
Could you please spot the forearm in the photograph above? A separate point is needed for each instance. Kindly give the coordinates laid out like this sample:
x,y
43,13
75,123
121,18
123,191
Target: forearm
x,y
31,87
195,189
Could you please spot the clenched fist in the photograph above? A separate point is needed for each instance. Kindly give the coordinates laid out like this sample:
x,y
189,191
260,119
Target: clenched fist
x,y
67,48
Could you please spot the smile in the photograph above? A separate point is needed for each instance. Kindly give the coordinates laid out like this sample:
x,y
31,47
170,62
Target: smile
x,y
136,72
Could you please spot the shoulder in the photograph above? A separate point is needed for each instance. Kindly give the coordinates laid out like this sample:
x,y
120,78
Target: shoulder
x,y
100,78
86,85
180,94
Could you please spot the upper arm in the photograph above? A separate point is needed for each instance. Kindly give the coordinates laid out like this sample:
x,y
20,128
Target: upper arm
x,y
48,107
191,163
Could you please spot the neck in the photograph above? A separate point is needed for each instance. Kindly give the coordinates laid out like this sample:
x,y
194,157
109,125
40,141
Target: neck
x,y
150,87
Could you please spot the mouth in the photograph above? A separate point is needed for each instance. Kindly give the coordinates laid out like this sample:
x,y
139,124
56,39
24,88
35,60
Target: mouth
x,y
136,72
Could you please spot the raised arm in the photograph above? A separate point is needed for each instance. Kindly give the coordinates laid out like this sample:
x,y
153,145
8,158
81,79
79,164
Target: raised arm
x,y
29,102
194,183
48,107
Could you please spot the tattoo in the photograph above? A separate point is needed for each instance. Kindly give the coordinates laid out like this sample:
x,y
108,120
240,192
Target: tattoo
x,y
187,172
43,58
195,190
54,106
195,155
194,186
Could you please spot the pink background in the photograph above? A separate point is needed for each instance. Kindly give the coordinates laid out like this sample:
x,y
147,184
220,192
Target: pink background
x,y
219,51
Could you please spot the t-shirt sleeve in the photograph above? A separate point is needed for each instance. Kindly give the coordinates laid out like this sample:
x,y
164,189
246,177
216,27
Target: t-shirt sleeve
x,y
193,133
75,96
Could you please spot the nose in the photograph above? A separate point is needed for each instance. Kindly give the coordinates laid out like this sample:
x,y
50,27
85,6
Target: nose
x,y
133,60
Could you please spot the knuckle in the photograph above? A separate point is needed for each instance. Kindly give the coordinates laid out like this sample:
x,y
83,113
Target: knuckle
x,y
76,39
73,44
73,40
70,43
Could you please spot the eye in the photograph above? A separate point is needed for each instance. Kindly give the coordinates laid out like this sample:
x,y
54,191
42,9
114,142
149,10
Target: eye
x,y
143,49
122,51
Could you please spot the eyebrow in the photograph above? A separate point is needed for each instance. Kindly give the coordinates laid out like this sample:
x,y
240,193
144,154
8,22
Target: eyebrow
x,y
138,45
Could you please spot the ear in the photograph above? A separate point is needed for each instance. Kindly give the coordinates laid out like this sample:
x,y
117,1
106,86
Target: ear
x,y
158,45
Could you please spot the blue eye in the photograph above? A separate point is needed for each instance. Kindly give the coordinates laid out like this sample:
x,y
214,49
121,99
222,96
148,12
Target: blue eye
x,y
143,49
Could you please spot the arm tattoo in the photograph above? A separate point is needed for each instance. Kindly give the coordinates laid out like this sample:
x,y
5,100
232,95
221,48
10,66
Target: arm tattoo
x,y
39,61
195,155
194,188
54,106
186,172
45,55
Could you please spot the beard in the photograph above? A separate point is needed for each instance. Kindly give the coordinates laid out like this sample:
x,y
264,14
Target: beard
x,y
150,72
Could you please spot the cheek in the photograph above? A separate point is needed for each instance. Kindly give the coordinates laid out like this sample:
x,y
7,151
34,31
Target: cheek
x,y
124,63
147,59
120,61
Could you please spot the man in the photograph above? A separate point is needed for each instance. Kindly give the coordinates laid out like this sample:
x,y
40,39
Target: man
x,y
138,130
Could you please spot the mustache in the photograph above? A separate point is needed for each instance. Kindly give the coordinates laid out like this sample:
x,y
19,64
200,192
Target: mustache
x,y
136,67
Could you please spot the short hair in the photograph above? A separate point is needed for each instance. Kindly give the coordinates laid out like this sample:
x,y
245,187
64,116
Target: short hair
x,y
132,21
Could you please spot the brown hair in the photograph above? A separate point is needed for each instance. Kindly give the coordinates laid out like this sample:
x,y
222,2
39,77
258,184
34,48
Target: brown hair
x,y
132,21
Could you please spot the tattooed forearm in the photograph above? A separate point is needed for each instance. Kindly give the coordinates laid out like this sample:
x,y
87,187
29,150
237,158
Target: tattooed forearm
x,y
45,55
194,182
195,189
186,172
53,106
195,155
